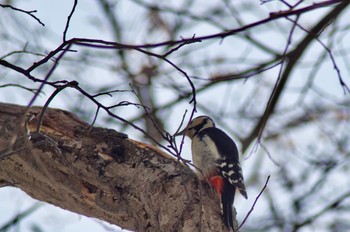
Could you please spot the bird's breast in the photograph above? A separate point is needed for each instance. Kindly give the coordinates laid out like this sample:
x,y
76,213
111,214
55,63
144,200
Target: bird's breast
x,y
204,155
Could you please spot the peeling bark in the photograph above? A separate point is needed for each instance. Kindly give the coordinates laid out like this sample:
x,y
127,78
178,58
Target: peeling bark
x,y
101,173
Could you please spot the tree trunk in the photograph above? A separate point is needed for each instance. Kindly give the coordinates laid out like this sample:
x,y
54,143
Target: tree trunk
x,y
101,173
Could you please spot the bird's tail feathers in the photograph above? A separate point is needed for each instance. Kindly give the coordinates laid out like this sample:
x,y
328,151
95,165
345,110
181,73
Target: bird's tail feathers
x,y
227,199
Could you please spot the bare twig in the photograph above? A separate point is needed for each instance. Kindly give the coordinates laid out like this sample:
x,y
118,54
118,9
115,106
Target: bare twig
x,y
95,117
346,88
68,20
48,75
20,216
109,93
194,40
115,45
29,12
19,86
59,89
256,200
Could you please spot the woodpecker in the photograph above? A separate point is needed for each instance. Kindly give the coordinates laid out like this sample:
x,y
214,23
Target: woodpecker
x,y
215,155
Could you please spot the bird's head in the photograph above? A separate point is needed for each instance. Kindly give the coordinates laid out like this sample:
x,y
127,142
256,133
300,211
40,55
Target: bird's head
x,y
196,125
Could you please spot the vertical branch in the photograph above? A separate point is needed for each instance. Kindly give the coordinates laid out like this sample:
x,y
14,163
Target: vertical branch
x,y
68,20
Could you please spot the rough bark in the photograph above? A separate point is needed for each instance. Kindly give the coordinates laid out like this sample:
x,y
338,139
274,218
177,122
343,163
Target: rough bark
x,y
101,173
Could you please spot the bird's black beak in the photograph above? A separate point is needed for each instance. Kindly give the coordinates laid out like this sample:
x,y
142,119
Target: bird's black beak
x,y
183,132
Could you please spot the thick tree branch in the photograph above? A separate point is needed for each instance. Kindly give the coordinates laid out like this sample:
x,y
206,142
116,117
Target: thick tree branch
x,y
102,174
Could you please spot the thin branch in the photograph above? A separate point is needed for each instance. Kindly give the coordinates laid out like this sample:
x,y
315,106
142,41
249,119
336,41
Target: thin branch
x,y
19,86
19,70
48,75
256,200
110,113
59,89
126,103
272,17
24,51
95,117
346,88
68,20
114,45
29,12
181,45
109,93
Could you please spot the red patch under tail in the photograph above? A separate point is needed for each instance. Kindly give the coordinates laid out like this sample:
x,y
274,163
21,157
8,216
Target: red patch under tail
x,y
218,183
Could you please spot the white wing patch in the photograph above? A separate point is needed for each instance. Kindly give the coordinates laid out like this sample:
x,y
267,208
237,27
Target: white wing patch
x,y
233,173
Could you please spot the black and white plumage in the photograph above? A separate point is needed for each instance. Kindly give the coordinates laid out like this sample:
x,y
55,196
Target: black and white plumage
x,y
215,155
